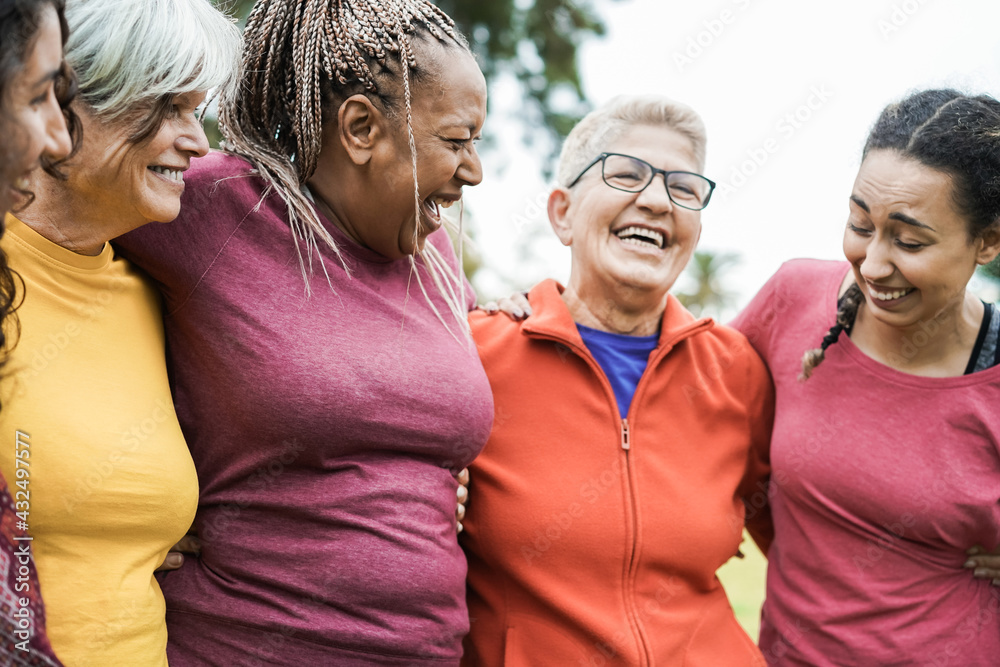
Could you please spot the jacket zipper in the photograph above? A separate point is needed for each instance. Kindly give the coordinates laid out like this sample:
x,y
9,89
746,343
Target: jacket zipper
x,y
629,584
626,444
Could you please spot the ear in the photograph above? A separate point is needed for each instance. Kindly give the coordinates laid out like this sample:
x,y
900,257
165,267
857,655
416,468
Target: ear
x,y
359,126
559,205
989,245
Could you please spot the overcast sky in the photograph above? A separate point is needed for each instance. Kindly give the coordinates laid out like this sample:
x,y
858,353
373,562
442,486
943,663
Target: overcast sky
x,y
788,91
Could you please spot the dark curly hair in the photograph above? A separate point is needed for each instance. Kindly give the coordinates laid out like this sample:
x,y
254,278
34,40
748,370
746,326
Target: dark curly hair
x,y
19,24
951,132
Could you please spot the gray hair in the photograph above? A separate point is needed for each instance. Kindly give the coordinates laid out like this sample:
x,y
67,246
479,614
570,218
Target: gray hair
x,y
129,52
591,136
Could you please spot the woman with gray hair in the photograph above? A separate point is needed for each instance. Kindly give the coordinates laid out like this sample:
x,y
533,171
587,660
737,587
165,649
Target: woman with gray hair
x,y
657,422
112,485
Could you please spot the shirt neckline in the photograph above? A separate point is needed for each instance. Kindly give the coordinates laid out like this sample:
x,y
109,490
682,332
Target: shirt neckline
x,y
893,375
55,252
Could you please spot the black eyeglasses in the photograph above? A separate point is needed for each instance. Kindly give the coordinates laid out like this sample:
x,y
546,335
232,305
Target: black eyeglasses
x,y
630,174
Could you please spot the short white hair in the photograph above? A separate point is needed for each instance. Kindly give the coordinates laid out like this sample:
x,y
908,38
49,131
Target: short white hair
x,y
592,135
130,52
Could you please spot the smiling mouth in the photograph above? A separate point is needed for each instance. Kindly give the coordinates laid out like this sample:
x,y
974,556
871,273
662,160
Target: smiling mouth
x,y
433,206
642,237
889,295
176,175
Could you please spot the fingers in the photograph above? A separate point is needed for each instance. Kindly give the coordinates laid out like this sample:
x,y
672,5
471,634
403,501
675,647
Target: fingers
x,y
189,544
984,565
520,300
173,561
462,495
514,308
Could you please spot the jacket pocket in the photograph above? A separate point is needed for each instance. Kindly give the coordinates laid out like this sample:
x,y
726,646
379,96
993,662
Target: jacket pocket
x,y
719,639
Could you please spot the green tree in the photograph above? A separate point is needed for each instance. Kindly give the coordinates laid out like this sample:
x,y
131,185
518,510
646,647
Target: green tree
x,y
706,294
538,44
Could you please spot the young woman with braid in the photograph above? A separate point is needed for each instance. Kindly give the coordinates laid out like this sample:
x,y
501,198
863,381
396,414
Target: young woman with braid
x,y
886,447
318,345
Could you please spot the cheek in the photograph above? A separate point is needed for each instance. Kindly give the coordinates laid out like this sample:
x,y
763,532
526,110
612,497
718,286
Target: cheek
x,y
854,247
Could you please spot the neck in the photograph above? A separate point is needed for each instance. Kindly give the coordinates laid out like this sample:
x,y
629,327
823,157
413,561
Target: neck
x,y
622,310
65,219
938,347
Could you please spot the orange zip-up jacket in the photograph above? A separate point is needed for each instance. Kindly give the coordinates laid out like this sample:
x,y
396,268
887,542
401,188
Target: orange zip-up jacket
x,y
593,537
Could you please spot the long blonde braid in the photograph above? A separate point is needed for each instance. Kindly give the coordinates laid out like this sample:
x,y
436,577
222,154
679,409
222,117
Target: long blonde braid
x,y
298,55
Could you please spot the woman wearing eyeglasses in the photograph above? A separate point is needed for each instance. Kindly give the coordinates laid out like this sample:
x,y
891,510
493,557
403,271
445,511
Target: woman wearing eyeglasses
x,y
626,431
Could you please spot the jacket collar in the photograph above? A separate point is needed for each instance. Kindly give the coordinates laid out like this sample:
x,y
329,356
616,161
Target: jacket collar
x,y
551,318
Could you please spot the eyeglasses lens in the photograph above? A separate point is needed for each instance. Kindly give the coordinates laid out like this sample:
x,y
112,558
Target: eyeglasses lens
x,y
632,175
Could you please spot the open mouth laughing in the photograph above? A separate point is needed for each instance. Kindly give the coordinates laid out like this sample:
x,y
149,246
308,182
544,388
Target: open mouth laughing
x,y
642,237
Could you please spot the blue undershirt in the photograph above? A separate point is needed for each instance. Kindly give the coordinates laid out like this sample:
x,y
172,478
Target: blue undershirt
x,y
622,358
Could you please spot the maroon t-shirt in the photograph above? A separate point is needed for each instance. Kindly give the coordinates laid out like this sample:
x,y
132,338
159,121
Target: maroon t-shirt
x,y
324,428
23,642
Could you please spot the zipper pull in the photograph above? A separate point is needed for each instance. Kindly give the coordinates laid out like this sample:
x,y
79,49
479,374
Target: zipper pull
x,y
625,442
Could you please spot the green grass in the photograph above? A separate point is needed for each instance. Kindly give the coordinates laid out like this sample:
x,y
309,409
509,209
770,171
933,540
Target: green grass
x,y
743,580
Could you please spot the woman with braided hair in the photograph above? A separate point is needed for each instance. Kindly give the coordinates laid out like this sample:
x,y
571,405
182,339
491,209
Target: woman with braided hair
x,y
885,453
318,345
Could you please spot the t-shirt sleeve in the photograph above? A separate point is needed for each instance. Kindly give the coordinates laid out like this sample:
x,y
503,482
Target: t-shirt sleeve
x,y
219,194
762,316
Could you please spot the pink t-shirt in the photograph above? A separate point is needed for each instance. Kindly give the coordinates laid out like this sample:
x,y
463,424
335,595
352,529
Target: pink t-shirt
x,y
324,430
880,482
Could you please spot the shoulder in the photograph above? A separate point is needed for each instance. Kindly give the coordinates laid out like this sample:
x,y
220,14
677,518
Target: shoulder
x,y
730,348
219,182
496,334
799,285
492,331
220,193
805,272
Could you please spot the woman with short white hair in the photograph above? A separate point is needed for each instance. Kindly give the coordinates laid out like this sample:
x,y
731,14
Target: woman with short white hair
x,y
655,422
112,485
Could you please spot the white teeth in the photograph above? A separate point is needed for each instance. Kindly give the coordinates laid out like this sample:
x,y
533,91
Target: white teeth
x,y
889,296
628,233
442,202
22,183
632,241
173,174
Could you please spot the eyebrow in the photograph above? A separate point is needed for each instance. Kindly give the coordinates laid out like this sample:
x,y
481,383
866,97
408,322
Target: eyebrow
x,y
902,217
48,78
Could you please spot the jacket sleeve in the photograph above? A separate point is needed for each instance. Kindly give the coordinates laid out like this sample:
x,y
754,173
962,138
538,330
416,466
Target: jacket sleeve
x,y
754,486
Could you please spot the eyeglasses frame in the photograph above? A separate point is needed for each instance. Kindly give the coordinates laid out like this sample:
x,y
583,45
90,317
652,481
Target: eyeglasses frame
x,y
604,156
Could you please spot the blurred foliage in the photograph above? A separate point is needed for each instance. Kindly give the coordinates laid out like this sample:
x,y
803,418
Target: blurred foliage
x,y
705,294
992,270
536,42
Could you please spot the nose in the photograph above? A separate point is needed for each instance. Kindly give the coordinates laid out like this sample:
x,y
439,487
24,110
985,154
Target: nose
x,y
471,168
655,198
192,139
57,140
876,265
